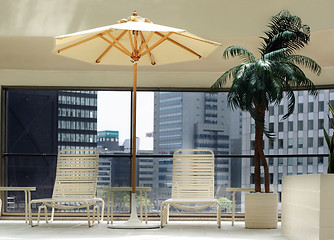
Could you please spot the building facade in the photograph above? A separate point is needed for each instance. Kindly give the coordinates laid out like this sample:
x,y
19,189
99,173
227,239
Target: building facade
x,y
301,133
77,119
41,122
192,120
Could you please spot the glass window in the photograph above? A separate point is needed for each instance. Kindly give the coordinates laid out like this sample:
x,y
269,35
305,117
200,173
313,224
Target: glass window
x,y
300,107
310,142
300,142
310,125
271,127
271,110
300,125
280,143
310,107
290,161
290,142
280,126
300,161
279,178
321,106
271,144
320,142
320,160
320,123
280,109
252,128
280,161
309,161
290,126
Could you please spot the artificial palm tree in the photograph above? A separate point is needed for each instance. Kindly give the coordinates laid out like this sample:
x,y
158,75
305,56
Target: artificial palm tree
x,y
330,141
257,83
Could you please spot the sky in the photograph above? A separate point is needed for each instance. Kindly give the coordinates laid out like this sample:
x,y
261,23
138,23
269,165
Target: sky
x,y
113,113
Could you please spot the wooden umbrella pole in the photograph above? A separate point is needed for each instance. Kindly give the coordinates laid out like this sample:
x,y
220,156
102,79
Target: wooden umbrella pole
x,y
134,138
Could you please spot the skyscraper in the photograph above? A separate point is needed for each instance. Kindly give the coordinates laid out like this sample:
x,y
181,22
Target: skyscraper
x,y
41,122
77,119
301,133
192,120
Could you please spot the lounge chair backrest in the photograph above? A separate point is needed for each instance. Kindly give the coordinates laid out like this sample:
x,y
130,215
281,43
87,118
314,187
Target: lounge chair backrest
x,y
76,175
193,174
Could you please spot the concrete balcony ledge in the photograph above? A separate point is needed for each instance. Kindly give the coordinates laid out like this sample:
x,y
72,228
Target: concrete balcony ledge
x,y
307,207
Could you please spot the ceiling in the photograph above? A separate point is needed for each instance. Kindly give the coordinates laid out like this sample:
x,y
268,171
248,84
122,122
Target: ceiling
x,y
27,28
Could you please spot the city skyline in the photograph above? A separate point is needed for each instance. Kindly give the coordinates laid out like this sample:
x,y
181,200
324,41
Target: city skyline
x,y
120,104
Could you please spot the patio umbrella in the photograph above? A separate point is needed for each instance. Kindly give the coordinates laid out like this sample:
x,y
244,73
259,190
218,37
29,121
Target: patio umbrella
x,y
134,40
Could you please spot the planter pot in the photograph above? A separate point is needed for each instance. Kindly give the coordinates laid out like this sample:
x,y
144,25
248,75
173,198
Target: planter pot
x,y
261,210
307,207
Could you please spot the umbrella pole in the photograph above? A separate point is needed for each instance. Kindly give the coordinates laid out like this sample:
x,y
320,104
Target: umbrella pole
x,y
133,222
134,135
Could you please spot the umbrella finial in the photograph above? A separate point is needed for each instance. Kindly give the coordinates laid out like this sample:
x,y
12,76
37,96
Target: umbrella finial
x,y
134,13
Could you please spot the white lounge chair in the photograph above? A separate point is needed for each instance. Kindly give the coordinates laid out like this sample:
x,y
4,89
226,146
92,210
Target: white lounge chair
x,y
193,183
75,184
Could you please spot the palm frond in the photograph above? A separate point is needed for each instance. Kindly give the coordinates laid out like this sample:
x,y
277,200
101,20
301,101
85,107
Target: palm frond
x,y
285,31
327,138
331,120
299,79
229,74
291,103
285,39
277,55
306,62
238,51
284,21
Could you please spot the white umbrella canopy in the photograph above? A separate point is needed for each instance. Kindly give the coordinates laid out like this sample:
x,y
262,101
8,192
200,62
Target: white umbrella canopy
x,y
134,40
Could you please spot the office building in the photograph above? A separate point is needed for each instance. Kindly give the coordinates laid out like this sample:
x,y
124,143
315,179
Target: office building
x,y
193,120
77,119
43,122
301,133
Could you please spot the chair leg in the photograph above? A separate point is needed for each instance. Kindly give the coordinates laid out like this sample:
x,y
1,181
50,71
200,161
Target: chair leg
x,y
98,213
162,213
45,212
39,214
102,210
219,215
30,216
94,209
52,214
88,216
167,215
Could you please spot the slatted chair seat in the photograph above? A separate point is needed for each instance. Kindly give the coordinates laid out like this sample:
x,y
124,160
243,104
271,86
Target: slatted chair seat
x,y
75,184
193,183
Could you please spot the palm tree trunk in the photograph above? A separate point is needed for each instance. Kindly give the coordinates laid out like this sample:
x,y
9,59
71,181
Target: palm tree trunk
x,y
258,150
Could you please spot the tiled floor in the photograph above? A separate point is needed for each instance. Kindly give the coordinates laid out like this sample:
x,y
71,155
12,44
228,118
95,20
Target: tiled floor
x,y
179,230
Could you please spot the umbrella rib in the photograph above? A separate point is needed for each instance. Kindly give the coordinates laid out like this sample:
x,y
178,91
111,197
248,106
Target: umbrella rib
x,y
114,44
164,38
132,44
144,43
179,44
198,39
78,43
123,49
98,60
147,40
